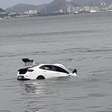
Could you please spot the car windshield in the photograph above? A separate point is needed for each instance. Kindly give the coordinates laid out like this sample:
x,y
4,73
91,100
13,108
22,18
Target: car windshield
x,y
53,68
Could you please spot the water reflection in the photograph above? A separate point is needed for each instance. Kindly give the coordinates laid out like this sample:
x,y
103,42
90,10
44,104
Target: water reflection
x,y
42,95
33,87
34,95
44,86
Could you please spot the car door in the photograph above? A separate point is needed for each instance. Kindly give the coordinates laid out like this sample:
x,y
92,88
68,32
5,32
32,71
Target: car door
x,y
50,71
47,71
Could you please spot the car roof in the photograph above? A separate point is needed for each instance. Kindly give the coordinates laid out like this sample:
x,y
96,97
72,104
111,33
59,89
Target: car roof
x,y
59,65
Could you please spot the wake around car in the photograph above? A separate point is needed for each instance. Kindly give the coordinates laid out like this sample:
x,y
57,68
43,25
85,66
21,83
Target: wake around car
x,y
43,71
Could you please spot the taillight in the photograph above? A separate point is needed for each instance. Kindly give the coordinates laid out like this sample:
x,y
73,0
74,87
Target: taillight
x,y
22,71
30,70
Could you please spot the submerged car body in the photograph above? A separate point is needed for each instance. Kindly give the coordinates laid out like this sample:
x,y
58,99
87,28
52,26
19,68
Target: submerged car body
x,y
44,71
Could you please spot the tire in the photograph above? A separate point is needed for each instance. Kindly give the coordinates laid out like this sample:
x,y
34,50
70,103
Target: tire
x,y
40,77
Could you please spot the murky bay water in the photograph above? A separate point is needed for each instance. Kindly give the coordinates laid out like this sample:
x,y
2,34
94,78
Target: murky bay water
x,y
80,41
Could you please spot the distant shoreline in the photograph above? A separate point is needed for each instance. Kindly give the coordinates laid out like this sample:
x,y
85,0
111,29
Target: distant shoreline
x,y
53,15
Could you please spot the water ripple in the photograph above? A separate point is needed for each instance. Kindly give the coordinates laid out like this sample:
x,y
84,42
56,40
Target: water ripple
x,y
96,95
5,111
94,107
56,52
52,33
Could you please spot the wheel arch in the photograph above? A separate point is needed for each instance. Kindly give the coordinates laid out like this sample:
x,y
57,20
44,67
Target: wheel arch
x,y
40,77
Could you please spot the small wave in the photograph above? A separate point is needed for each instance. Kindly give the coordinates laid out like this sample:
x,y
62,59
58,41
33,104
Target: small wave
x,y
105,111
99,50
51,33
96,95
93,107
76,98
5,111
87,50
55,52
22,54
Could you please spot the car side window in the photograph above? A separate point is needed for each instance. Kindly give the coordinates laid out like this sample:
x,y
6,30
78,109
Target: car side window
x,y
53,68
59,69
45,67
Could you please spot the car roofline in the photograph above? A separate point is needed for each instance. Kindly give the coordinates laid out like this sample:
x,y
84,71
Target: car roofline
x,y
58,65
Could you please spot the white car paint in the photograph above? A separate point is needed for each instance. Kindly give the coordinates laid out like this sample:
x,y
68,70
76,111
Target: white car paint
x,y
44,71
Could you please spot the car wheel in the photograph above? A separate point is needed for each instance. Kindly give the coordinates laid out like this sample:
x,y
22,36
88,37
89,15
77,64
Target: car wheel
x,y
40,77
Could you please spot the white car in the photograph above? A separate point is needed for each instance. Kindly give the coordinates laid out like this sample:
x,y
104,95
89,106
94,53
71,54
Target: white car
x,y
44,71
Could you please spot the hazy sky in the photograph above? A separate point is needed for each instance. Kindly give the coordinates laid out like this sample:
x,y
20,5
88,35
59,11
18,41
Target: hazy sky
x,y
8,3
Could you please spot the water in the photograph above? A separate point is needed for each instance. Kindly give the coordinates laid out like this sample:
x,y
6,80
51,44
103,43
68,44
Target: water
x,y
80,41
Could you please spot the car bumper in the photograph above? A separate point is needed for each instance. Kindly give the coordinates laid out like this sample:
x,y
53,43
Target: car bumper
x,y
22,78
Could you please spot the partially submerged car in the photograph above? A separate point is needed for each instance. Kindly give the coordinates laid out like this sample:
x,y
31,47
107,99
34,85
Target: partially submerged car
x,y
44,71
